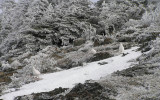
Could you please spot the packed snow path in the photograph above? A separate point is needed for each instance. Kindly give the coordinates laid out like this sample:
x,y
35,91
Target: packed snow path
x,y
68,78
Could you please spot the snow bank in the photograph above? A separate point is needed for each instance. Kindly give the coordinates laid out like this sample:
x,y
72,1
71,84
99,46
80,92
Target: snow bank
x,y
68,78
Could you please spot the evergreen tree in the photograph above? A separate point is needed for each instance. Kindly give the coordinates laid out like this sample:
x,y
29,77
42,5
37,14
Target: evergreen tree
x,y
36,11
7,13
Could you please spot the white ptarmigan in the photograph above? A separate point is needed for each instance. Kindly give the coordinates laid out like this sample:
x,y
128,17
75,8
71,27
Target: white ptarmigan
x,y
93,51
35,72
121,48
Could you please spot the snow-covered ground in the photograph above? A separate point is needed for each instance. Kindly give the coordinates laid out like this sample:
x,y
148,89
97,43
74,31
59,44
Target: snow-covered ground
x,y
69,78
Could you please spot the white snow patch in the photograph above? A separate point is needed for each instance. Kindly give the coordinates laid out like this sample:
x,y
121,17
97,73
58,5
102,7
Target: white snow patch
x,y
68,78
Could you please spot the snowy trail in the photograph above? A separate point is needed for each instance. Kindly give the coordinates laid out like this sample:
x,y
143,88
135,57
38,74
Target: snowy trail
x,y
68,78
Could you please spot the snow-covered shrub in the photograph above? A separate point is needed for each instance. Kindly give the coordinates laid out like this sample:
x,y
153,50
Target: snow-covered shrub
x,y
152,56
24,55
44,22
7,9
148,18
16,64
42,62
10,42
132,23
116,13
152,16
5,66
89,31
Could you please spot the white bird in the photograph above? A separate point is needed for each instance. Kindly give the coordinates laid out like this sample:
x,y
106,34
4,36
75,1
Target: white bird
x,y
121,48
35,72
93,51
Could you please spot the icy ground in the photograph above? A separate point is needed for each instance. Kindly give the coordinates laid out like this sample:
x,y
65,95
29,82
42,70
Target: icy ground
x,y
69,78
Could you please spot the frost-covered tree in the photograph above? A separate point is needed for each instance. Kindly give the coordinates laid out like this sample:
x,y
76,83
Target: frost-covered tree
x,y
111,17
152,16
49,14
7,9
114,14
19,13
36,11
42,61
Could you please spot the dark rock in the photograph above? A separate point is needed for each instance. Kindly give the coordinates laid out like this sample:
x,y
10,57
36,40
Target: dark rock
x,y
124,54
87,91
43,96
134,71
100,56
79,42
49,95
103,63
